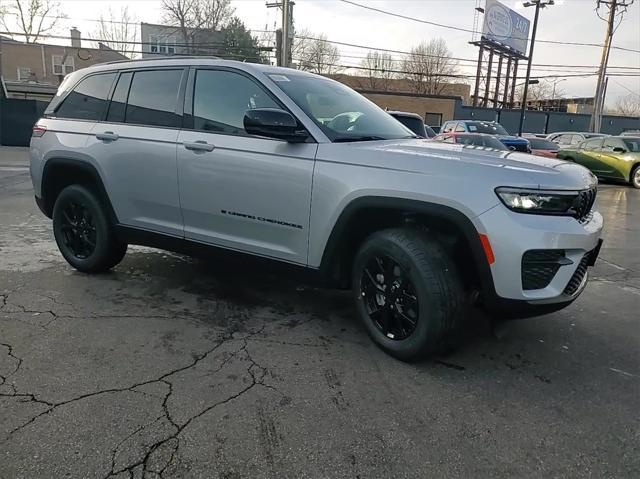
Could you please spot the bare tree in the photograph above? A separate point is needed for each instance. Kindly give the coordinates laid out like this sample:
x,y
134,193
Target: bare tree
x,y
189,16
313,53
378,70
429,67
628,105
33,18
543,90
118,31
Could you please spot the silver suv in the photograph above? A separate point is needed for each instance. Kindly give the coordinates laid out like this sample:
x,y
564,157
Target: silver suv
x,y
192,154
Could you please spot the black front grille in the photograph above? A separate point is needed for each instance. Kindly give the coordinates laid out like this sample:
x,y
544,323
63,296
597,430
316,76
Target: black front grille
x,y
578,276
540,266
583,204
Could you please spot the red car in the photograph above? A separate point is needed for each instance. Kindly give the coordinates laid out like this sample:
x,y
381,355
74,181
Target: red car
x,y
542,147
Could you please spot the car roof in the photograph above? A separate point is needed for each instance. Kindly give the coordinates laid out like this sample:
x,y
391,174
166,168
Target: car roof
x,y
193,61
404,113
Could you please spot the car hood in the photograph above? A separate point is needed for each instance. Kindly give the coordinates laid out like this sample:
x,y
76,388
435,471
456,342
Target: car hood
x,y
519,169
511,139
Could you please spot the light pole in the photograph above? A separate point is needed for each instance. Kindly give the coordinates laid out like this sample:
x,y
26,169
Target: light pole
x,y
555,82
538,4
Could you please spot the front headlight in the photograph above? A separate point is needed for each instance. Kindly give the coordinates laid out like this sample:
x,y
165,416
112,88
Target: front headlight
x,y
539,202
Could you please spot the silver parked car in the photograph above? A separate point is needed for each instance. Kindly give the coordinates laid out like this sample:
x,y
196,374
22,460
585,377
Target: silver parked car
x,y
200,154
571,138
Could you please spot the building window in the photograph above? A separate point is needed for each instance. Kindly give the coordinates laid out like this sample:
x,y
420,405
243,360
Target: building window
x,y
60,67
24,73
161,45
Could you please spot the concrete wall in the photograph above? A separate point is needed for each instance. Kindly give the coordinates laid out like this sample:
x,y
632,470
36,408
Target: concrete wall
x,y
399,85
421,105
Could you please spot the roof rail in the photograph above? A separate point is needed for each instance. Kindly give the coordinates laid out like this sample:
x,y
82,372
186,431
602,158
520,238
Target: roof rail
x,y
164,57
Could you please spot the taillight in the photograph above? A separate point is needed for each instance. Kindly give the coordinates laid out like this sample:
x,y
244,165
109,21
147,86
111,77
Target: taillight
x,y
38,131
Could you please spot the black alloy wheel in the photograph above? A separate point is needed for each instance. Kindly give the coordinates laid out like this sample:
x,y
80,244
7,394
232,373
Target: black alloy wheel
x,y
407,291
83,232
78,230
390,297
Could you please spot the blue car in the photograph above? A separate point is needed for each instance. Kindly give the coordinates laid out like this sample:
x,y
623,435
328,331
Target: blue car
x,y
515,143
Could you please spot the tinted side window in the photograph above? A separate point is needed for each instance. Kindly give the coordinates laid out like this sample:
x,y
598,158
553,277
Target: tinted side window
x,y
611,143
591,144
152,98
88,100
119,99
221,98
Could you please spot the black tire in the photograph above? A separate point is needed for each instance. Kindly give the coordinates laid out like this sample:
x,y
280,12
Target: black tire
x,y
635,177
101,250
435,282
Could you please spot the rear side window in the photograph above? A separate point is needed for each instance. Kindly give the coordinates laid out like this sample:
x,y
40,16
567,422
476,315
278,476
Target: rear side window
x,y
119,99
221,98
152,98
460,128
88,100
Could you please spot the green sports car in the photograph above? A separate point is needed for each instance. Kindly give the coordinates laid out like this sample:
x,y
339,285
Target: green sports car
x,y
612,157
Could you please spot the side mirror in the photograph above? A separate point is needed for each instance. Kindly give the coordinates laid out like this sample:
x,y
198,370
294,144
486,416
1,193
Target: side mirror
x,y
273,123
619,149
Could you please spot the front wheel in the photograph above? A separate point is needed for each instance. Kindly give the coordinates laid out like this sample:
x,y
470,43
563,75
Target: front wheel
x,y
407,292
83,232
635,177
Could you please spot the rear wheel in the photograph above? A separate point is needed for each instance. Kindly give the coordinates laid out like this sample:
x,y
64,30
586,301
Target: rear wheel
x,y
635,176
407,292
83,233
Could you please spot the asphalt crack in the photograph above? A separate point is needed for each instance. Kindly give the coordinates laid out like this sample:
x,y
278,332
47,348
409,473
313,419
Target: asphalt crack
x,y
255,371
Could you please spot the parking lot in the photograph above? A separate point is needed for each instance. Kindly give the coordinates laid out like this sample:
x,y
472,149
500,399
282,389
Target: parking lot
x,y
176,367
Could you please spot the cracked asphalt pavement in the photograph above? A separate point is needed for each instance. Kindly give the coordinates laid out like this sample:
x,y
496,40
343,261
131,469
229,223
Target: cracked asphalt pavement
x,y
172,367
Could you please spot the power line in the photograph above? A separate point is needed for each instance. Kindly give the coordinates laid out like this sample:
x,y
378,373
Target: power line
x,y
404,52
461,29
210,45
628,89
460,76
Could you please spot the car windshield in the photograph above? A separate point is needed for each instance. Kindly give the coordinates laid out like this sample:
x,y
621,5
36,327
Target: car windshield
x,y
633,144
540,144
481,140
490,128
341,113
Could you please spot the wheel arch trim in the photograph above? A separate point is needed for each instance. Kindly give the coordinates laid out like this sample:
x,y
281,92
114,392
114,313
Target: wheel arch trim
x,y
77,165
460,220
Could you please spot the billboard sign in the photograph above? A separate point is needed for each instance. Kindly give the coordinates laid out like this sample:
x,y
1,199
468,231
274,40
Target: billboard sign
x,y
506,27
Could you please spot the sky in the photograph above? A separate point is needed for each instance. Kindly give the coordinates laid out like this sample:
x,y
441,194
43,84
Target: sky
x,y
567,21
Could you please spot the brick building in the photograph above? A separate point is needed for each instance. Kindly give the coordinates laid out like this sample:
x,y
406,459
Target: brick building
x,y
34,70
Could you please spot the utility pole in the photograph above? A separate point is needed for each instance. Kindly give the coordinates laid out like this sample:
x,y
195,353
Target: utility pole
x,y
286,24
538,4
284,38
598,99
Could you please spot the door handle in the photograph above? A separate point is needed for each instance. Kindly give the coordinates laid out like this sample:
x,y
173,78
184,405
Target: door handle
x,y
199,145
107,136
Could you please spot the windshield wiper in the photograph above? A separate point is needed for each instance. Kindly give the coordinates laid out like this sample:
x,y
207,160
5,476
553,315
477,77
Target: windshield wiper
x,y
345,139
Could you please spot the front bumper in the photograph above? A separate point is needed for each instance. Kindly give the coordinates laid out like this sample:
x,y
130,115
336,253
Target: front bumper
x,y
512,234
